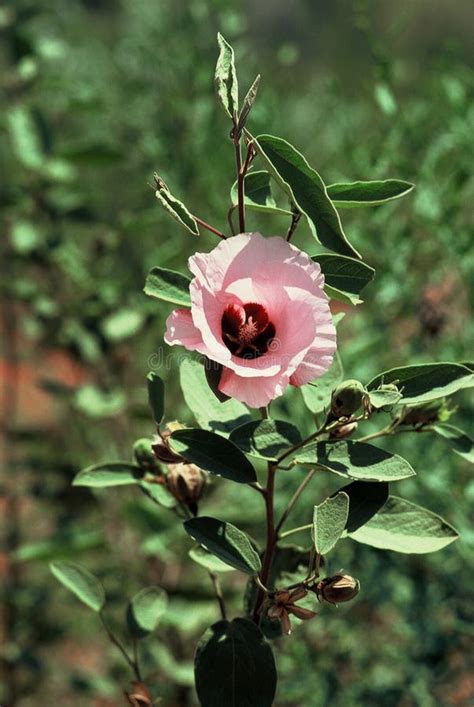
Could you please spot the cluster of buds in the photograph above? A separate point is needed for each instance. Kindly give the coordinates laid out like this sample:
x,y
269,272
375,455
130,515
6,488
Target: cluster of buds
x,y
283,603
337,589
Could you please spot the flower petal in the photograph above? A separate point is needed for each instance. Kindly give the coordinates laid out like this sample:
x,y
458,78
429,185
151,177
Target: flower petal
x,y
180,330
254,392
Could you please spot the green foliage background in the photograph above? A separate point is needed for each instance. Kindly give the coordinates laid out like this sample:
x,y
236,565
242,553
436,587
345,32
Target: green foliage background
x,y
96,96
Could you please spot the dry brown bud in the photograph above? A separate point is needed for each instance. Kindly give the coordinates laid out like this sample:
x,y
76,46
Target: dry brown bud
x,y
337,589
160,445
138,695
343,431
186,482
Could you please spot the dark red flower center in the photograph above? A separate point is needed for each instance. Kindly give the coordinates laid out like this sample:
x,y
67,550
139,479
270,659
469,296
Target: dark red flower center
x,y
246,330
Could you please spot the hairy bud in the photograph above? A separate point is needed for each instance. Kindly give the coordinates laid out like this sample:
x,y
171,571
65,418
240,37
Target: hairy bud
x,y
186,483
343,431
145,457
347,398
434,411
337,589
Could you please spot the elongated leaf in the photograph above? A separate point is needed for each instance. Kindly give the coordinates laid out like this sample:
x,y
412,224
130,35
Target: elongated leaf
x,y
214,454
317,394
169,286
356,460
66,544
306,189
458,440
381,398
156,396
80,582
159,494
109,474
365,499
177,210
234,666
405,527
225,541
426,381
329,522
266,439
208,411
206,559
258,194
371,193
346,275
145,610
249,100
226,78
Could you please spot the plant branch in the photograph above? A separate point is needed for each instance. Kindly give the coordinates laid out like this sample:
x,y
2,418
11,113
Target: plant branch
x,y
209,227
295,219
133,665
294,500
300,528
240,182
219,596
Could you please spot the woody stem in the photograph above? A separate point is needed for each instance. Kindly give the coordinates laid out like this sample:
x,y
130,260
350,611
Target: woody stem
x,y
240,183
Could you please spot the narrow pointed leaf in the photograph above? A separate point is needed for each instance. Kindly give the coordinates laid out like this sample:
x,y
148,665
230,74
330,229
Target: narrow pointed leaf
x,y
145,610
317,394
426,381
329,522
458,440
356,460
234,666
371,193
403,526
258,194
249,100
156,396
109,474
306,189
266,439
168,285
225,541
365,499
177,210
214,454
80,582
226,78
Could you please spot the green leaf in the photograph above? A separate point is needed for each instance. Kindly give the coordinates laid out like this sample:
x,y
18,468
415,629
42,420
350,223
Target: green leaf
x,y
258,194
145,610
206,559
159,494
109,474
97,403
80,582
234,666
123,324
247,105
317,395
176,209
426,381
169,286
266,439
365,499
371,193
344,277
381,398
356,460
225,541
226,78
214,454
306,189
208,411
405,527
66,544
458,440
156,396
329,522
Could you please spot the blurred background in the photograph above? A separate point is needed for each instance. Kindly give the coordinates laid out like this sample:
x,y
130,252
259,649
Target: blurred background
x,y
96,95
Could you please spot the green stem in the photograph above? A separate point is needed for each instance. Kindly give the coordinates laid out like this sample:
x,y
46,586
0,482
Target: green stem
x,y
294,500
219,596
113,639
287,533
240,183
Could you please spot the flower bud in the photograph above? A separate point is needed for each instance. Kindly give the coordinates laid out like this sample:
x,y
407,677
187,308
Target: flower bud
x,y
186,482
434,411
343,431
347,398
144,455
161,447
337,589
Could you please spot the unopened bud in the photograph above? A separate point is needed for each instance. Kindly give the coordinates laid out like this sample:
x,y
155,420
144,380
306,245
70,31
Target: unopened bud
x,y
186,482
160,445
144,455
434,411
343,431
139,696
347,398
337,589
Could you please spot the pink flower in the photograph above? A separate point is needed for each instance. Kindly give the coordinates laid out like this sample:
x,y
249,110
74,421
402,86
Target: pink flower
x,y
258,308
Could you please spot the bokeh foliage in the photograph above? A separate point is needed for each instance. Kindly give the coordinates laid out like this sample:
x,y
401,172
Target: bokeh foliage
x,y
98,95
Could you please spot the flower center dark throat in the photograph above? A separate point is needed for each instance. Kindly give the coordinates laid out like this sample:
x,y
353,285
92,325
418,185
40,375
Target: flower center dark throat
x,y
246,330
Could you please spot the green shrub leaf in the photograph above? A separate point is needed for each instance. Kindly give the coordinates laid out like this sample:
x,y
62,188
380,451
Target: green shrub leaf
x,y
365,499
206,559
371,193
156,396
80,582
317,395
405,527
145,610
266,439
169,286
226,78
426,381
306,189
329,521
214,454
458,440
344,277
226,542
258,194
177,210
109,474
356,460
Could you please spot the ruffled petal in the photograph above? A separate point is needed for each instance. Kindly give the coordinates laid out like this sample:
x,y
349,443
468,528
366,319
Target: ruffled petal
x,y
254,392
180,330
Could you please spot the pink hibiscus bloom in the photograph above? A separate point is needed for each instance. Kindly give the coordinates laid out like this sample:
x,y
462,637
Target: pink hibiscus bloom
x,y
259,309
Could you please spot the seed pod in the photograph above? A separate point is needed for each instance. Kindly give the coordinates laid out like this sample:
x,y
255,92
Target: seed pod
x,y
343,431
186,483
337,589
144,455
347,398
